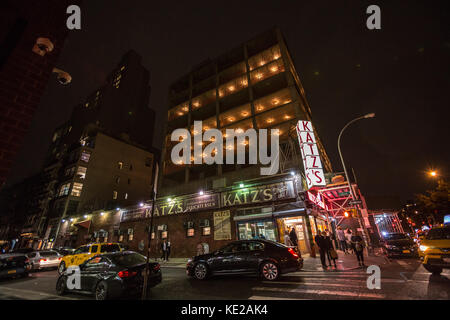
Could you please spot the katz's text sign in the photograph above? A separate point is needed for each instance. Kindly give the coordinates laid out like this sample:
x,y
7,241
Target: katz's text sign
x,y
272,192
310,154
222,225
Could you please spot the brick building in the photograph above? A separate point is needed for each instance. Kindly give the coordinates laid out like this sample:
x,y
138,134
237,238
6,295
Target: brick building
x,y
26,65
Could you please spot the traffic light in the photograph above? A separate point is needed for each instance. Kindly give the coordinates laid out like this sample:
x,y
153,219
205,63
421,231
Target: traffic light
x,y
346,214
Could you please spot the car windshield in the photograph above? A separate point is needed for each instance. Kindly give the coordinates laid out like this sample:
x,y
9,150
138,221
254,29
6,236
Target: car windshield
x,y
109,248
438,234
396,236
128,260
47,253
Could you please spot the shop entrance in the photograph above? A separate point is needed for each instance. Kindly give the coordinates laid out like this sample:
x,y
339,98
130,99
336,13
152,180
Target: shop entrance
x,y
263,229
300,229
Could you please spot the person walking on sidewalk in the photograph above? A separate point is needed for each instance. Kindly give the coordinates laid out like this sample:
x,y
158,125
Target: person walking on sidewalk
x,y
358,248
348,238
167,250
342,240
287,240
331,253
293,237
323,248
163,250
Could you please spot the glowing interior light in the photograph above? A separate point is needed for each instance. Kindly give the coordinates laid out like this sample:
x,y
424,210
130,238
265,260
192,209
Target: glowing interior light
x,y
259,108
231,88
245,113
244,82
261,63
270,120
244,143
287,101
230,147
196,104
201,193
274,69
205,128
231,119
275,101
180,113
287,117
276,56
258,76
239,130
185,109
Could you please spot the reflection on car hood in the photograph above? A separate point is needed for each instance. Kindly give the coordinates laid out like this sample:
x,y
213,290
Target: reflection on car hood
x,y
202,257
401,242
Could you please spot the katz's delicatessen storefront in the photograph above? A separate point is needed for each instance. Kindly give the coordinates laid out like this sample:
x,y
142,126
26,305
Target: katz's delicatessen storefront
x,y
197,223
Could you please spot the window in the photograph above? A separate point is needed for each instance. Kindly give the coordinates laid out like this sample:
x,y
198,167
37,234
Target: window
x,y
206,231
114,195
121,238
94,248
190,232
126,196
256,246
164,235
153,235
130,237
83,249
64,190
76,189
85,156
81,172
120,165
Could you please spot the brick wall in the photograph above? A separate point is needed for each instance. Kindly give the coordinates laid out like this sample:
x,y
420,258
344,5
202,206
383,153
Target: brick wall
x,y
24,74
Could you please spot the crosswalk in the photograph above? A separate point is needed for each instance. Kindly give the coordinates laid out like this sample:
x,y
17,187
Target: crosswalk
x,y
315,284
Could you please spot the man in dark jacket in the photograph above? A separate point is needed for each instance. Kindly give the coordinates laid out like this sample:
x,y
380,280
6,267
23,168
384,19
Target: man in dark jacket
x,y
293,236
322,244
357,244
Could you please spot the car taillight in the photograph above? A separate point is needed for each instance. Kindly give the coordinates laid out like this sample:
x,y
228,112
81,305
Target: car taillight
x,y
59,259
42,260
156,267
126,274
291,251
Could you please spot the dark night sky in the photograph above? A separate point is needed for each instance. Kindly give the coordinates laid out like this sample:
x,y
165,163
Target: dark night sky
x,y
400,72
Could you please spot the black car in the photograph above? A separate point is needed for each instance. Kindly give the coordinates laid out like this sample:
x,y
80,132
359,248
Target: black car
x,y
399,244
14,265
112,275
261,257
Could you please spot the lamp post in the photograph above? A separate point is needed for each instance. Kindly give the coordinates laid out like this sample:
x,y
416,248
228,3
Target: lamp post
x,y
362,226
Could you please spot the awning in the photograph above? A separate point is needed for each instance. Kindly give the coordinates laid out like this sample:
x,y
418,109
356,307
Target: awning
x,y
85,224
253,216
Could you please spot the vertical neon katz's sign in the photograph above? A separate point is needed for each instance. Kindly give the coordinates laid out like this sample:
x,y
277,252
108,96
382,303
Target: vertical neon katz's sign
x,y
310,154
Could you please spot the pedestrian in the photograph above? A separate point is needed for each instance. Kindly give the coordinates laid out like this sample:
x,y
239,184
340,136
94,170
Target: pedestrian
x,y
358,248
323,248
163,249
330,252
167,250
293,237
342,240
200,250
287,240
348,238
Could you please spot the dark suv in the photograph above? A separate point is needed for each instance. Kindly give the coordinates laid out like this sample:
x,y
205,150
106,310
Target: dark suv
x,y
261,257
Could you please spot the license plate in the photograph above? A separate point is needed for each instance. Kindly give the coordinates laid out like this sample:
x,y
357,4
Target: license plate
x,y
12,271
406,251
446,260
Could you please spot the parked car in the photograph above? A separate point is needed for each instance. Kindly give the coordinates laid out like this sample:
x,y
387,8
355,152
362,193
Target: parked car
x,y
14,265
85,252
399,244
44,259
434,249
112,275
261,257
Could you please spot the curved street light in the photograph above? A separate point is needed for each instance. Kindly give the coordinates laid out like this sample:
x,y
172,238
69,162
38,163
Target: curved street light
x,y
367,116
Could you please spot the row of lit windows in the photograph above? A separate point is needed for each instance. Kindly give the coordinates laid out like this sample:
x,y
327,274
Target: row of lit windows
x,y
262,66
115,195
116,80
76,189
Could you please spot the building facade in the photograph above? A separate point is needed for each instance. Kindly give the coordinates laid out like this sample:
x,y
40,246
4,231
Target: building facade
x,y
26,66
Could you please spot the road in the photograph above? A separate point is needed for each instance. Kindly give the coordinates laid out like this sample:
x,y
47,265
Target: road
x,y
400,279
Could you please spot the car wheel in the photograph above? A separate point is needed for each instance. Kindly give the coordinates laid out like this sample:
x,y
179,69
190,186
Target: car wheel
x,y
101,291
269,271
61,286
200,271
434,270
62,267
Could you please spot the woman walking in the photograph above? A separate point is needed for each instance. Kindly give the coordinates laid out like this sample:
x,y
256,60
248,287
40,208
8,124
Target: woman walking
x,y
358,248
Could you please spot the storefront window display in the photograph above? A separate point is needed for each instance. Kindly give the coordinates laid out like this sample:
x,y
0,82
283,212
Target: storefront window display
x,y
300,229
257,229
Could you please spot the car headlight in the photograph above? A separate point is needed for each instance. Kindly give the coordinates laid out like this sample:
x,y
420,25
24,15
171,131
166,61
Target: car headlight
x,y
423,248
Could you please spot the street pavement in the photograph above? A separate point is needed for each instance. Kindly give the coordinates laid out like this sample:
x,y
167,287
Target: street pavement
x,y
400,279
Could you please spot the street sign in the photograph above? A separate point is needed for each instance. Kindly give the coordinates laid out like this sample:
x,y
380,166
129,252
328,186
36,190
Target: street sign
x,y
353,202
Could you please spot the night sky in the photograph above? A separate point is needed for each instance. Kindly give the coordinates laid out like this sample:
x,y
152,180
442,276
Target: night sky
x,y
400,72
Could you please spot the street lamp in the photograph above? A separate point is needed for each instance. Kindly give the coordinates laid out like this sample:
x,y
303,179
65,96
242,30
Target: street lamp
x,y
432,173
367,116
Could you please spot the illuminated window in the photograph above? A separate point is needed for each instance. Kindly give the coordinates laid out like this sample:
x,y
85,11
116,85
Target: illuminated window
x,y
122,68
190,232
120,165
76,189
121,238
153,235
164,235
130,237
64,189
206,231
81,172
126,196
114,194
85,156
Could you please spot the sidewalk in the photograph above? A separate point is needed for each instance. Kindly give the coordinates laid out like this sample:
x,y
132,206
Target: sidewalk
x,y
345,262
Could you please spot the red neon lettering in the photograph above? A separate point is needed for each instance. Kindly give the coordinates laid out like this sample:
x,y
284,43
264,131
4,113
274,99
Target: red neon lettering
x,y
314,163
305,126
318,177
309,138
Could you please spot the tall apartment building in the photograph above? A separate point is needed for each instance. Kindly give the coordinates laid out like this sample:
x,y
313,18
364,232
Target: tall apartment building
x,y
119,109
254,85
32,35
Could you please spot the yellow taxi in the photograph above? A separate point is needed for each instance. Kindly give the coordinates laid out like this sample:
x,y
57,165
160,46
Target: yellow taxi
x,y
85,252
434,249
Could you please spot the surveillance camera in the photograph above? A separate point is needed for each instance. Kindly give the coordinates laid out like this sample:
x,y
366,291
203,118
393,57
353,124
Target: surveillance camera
x,y
42,46
62,76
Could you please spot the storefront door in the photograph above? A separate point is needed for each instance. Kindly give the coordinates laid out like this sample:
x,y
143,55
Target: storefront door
x,y
300,229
